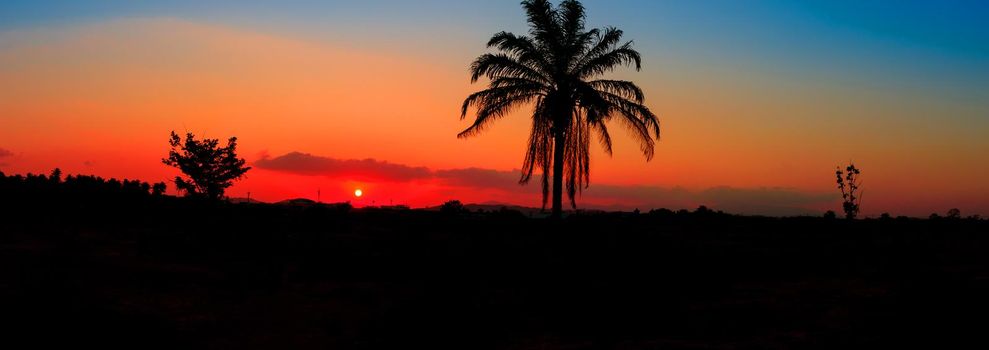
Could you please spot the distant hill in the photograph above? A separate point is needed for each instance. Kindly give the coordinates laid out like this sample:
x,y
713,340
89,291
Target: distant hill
x,y
495,206
244,200
305,202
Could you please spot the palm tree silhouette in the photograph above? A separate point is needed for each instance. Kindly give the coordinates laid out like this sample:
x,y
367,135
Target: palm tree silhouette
x,y
555,68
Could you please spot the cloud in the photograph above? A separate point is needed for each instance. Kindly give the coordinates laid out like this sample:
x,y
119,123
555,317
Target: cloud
x,y
4,153
365,169
763,201
484,178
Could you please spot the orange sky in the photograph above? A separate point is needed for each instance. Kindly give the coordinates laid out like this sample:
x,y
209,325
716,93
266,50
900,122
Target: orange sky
x,y
101,98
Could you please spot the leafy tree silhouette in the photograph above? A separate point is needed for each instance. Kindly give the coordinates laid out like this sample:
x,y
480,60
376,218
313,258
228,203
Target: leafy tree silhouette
x,y
210,169
554,68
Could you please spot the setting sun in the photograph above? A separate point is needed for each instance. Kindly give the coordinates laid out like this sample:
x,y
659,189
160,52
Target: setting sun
x,y
358,193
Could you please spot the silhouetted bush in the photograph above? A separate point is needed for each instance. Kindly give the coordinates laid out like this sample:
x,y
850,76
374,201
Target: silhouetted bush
x,y
703,210
508,213
159,189
453,207
954,214
848,183
660,214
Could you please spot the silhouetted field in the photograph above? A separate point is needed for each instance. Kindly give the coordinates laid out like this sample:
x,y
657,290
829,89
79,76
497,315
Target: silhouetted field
x,y
128,268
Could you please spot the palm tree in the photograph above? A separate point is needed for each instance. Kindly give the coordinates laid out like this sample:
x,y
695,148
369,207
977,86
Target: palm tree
x,y
556,69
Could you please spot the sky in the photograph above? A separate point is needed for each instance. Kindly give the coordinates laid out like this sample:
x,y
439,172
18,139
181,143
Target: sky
x,y
758,101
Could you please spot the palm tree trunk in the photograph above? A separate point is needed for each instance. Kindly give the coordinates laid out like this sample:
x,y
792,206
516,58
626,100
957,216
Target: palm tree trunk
x,y
558,148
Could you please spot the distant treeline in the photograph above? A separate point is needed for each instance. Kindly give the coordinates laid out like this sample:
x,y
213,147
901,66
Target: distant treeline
x,y
77,195
79,189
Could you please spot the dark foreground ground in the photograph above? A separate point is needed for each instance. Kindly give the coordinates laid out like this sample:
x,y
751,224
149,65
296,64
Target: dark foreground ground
x,y
163,273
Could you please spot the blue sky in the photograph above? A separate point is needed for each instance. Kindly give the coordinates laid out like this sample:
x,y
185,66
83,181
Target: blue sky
x,y
912,42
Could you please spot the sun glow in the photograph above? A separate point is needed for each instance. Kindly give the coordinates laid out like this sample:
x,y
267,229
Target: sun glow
x,y
358,193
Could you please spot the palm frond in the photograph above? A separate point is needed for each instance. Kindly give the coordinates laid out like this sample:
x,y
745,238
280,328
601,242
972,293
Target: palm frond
x,y
603,41
496,65
637,119
500,82
604,137
493,108
625,89
543,24
572,17
523,48
577,160
622,56
498,93
539,149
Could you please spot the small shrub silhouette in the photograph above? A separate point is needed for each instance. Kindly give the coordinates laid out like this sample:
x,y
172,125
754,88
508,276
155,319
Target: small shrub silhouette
x,y
849,183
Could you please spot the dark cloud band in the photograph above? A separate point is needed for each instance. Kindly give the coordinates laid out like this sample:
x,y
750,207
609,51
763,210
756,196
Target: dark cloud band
x,y
370,169
760,201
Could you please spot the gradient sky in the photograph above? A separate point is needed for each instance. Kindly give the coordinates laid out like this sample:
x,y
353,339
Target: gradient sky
x,y
758,100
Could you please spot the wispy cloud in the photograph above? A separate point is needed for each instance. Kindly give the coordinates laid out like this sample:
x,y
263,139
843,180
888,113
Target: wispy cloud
x,y
766,201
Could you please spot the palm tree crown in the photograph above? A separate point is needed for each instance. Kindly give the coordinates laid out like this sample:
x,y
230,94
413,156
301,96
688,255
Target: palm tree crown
x,y
556,69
